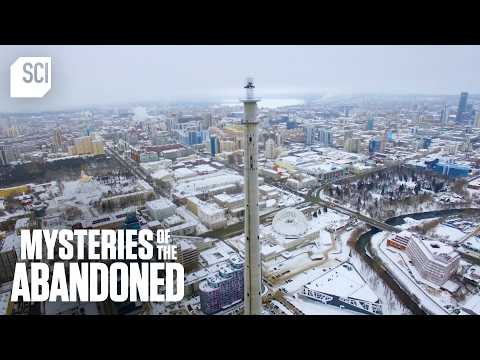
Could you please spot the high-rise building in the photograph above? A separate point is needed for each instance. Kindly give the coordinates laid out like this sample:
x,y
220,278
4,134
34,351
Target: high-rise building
x,y
8,154
309,135
353,145
477,120
214,146
270,149
389,135
207,121
384,141
12,132
462,107
370,123
374,146
57,140
444,115
325,137
347,134
278,139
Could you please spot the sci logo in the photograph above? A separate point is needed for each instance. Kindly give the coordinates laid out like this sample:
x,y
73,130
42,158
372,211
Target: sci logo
x,y
30,77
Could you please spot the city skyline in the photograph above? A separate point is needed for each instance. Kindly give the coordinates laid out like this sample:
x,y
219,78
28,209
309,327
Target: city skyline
x,y
109,75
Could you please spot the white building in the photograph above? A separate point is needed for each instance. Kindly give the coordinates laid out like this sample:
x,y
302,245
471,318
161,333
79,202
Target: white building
x,y
270,149
212,216
161,208
434,260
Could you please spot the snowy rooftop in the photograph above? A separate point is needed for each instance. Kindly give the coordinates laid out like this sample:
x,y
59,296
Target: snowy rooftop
x,y
160,204
438,250
343,281
182,173
220,252
207,182
290,221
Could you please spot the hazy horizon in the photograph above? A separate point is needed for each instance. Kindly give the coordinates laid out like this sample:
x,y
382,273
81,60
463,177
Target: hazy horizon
x,y
85,76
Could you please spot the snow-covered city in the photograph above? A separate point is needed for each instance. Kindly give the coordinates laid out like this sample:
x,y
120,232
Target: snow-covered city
x,y
340,205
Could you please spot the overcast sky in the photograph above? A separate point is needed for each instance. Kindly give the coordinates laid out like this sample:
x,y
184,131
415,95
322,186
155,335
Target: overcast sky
x,y
91,75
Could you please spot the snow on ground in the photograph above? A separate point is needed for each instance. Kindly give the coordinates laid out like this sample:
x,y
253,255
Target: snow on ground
x,y
391,305
447,233
473,304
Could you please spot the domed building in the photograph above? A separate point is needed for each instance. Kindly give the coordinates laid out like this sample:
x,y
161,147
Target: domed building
x,y
290,222
290,228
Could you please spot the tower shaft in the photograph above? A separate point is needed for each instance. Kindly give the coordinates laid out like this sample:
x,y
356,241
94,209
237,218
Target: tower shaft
x,y
253,267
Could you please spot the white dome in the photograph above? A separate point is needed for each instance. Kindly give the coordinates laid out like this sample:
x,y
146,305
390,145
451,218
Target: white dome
x,y
290,222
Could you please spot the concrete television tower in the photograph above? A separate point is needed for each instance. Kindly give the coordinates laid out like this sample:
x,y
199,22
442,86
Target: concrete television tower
x,y
253,266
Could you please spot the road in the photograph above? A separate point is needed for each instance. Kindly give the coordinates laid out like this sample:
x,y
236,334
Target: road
x,y
469,235
129,165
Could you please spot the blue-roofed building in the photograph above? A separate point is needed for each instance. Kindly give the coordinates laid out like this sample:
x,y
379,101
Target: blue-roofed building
x,y
448,169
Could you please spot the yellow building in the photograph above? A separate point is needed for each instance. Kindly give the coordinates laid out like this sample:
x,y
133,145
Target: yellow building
x,y
227,145
16,190
87,145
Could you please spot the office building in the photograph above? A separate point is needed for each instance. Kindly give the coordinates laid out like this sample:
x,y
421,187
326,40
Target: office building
x,y
444,116
448,169
325,137
353,145
309,135
374,146
7,155
214,146
270,149
477,120
462,108
187,255
434,260
370,123
57,140
87,145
